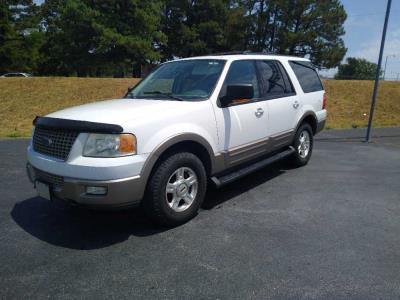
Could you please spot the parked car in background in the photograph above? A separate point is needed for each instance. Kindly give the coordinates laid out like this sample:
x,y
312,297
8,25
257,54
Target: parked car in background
x,y
16,74
190,123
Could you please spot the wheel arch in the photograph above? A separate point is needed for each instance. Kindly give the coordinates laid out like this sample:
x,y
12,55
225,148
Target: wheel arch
x,y
189,142
311,118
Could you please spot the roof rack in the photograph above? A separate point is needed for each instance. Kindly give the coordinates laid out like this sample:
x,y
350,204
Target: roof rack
x,y
235,53
239,52
229,53
248,52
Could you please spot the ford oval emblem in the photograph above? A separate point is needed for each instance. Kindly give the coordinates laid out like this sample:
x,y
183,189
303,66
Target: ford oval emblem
x,y
47,141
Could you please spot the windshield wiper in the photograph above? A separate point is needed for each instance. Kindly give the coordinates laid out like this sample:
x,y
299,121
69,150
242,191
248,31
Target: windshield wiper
x,y
169,95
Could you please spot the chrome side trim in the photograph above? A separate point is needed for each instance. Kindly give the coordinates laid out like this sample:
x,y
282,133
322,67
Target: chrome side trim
x,y
247,147
282,139
245,152
247,169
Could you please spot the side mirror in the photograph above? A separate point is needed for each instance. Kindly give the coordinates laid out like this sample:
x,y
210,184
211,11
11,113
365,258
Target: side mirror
x,y
237,93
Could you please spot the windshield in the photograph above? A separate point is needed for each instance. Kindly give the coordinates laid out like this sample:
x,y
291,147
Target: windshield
x,y
180,80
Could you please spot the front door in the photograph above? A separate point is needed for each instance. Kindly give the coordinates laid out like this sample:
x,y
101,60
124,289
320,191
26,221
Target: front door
x,y
244,126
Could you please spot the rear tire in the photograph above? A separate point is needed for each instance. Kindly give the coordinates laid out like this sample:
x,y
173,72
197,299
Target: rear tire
x,y
176,189
303,144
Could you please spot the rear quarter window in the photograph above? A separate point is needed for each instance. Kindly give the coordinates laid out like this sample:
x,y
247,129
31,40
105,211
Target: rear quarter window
x,y
307,76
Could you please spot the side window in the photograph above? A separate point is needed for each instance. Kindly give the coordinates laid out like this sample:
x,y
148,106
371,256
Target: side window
x,y
274,80
242,72
307,76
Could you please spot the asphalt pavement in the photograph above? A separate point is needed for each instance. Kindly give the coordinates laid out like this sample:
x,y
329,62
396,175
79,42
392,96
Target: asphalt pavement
x,y
330,230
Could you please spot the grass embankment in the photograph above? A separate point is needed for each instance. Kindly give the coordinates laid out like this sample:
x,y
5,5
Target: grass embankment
x,y
22,99
349,103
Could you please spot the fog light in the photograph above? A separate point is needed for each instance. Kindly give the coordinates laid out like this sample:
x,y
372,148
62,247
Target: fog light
x,y
96,190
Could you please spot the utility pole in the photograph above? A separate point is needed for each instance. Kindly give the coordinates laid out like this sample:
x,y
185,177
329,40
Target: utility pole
x,y
386,60
384,71
378,71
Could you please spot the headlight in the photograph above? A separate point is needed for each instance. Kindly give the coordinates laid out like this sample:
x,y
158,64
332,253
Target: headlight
x,y
110,145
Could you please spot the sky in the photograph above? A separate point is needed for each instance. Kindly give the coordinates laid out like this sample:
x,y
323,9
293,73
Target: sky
x,y
363,28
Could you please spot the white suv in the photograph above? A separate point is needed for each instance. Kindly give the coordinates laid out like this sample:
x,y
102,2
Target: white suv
x,y
190,123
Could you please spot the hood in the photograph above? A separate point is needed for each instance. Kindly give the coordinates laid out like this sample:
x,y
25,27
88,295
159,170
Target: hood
x,y
117,111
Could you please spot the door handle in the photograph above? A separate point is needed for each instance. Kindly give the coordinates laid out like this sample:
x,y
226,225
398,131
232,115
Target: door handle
x,y
296,104
259,112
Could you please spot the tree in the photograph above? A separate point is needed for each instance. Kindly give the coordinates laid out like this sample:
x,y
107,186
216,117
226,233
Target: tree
x,y
130,32
20,37
203,27
116,37
70,36
98,37
310,28
356,68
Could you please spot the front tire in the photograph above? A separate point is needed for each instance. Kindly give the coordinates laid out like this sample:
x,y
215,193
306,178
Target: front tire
x,y
176,189
303,145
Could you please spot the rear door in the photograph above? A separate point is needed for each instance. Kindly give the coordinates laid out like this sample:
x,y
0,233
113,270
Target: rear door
x,y
282,102
311,85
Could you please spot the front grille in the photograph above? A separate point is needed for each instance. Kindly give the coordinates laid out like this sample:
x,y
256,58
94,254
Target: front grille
x,y
56,143
48,178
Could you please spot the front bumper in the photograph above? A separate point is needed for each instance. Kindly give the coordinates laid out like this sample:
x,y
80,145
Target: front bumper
x,y
68,180
120,193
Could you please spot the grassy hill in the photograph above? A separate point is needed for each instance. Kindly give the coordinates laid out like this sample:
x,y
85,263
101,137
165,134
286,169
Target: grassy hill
x,y
22,99
349,102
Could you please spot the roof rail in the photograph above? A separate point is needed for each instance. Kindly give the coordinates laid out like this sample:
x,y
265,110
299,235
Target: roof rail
x,y
229,53
249,52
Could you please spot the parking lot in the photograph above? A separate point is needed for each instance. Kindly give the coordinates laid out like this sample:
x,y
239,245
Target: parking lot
x,y
330,230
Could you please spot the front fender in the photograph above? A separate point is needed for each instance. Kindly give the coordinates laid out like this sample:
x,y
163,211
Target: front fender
x,y
180,132
165,144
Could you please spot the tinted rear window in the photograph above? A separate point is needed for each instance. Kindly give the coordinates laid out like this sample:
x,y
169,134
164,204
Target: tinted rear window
x,y
307,76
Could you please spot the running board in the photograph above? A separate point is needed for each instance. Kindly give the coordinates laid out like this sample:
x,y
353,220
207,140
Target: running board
x,y
228,178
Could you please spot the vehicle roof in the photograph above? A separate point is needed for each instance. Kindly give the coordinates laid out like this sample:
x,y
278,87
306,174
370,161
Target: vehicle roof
x,y
9,73
247,56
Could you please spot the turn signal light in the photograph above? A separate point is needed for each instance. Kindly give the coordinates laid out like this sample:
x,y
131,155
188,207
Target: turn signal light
x,y
127,143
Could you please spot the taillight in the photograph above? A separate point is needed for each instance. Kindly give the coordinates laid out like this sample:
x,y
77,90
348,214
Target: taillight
x,y
324,102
